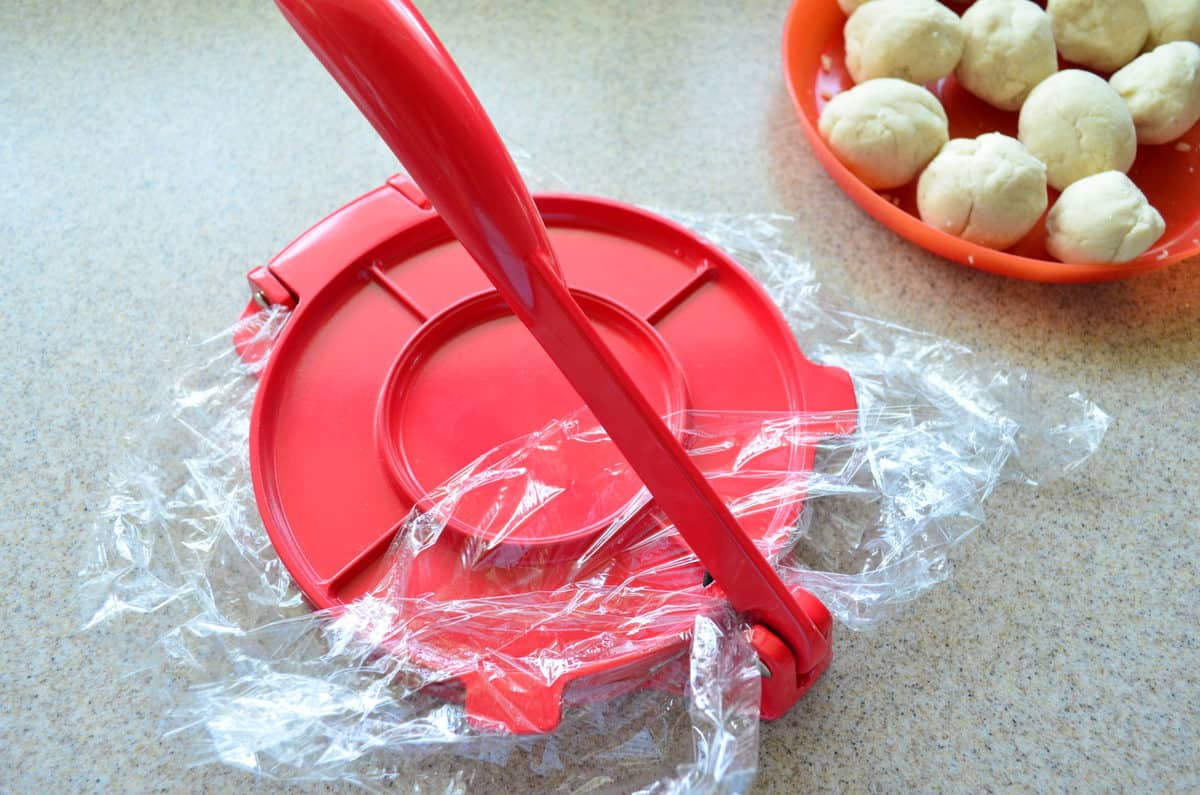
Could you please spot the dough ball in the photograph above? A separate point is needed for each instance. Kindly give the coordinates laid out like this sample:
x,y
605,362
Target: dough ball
x,y
1162,90
1172,20
850,6
885,130
989,190
1077,125
1009,49
1099,34
915,40
1102,218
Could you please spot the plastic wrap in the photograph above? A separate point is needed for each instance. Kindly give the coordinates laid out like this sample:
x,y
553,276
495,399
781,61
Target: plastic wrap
x,y
469,609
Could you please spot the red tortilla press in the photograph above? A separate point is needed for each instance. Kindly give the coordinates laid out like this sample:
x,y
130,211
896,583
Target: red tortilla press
x,y
435,319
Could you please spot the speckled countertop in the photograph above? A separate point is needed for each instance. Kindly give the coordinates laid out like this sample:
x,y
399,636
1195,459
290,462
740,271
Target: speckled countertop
x,y
150,152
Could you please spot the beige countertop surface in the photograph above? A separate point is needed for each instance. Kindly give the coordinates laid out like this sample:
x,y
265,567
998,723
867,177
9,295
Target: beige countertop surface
x,y
151,152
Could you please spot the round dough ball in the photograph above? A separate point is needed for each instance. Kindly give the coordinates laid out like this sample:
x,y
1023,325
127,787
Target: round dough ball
x,y
1009,49
1077,125
1172,20
1103,218
989,190
1162,90
915,40
1099,34
885,130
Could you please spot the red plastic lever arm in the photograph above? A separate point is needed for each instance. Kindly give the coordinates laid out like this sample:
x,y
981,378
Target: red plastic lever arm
x,y
388,60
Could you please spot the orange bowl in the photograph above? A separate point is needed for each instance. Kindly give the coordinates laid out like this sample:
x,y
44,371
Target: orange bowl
x,y
1169,174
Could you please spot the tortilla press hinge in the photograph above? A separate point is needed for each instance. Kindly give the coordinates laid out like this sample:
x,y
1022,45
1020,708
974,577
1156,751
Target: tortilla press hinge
x,y
305,266
785,678
268,290
266,285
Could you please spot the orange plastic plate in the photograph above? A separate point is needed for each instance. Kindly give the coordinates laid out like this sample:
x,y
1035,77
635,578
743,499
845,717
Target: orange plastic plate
x,y
1169,174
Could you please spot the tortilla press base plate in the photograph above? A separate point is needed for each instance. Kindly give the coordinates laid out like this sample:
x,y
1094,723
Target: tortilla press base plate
x,y
400,365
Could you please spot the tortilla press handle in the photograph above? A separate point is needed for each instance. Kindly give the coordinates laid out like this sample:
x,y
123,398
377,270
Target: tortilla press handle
x,y
388,60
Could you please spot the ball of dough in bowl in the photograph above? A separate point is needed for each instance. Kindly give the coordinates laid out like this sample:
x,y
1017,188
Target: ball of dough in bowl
x,y
1077,125
1162,90
1103,218
885,130
915,40
988,190
1008,49
1172,20
1099,34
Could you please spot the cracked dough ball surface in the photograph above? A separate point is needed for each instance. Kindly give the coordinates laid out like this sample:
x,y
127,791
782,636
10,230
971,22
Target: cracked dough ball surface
x,y
1009,49
1099,34
1162,90
988,190
915,40
1172,20
1102,219
884,130
1077,125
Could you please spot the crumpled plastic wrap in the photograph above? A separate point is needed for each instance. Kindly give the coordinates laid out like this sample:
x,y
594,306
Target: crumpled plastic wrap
x,y
447,675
